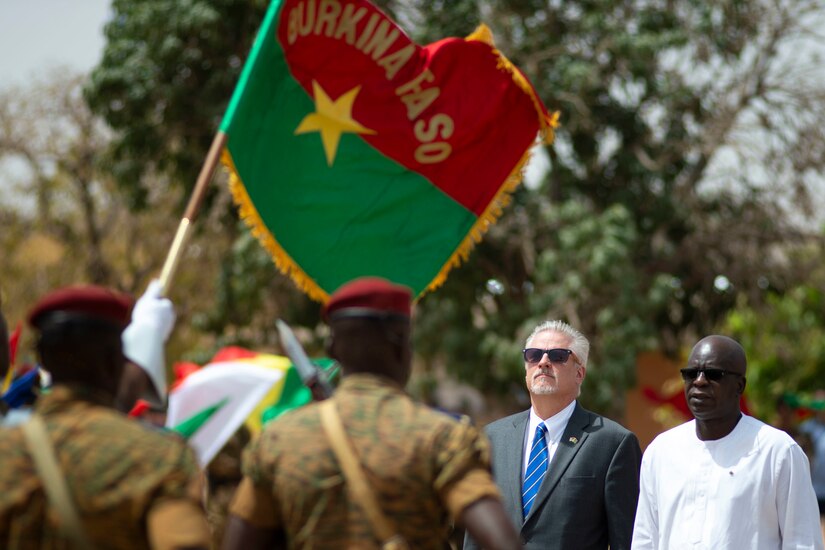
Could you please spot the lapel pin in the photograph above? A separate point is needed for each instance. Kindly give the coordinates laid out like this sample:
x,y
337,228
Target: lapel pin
x,y
573,440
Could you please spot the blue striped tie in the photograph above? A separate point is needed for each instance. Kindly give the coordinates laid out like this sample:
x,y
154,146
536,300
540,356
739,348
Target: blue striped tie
x,y
536,468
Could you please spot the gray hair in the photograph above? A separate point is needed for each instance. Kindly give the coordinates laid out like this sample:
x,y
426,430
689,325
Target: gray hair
x,y
578,343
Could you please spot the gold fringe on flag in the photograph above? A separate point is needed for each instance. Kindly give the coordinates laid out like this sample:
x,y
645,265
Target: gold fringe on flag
x,y
249,214
489,217
547,124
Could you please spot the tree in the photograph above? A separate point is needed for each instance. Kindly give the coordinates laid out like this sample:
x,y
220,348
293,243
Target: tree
x,y
64,219
784,338
55,138
659,209
166,75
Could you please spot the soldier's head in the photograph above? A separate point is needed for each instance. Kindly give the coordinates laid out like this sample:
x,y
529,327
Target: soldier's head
x,y
78,332
370,329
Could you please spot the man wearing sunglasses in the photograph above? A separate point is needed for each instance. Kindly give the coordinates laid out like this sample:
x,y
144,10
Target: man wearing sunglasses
x,y
724,480
422,470
569,478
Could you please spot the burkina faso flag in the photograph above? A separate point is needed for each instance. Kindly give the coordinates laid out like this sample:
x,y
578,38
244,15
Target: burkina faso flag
x,y
354,151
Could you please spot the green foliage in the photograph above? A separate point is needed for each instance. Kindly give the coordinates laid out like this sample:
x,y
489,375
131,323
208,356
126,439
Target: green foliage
x,y
585,266
785,343
167,73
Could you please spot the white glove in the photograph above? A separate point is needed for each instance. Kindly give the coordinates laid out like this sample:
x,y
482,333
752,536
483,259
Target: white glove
x,y
153,319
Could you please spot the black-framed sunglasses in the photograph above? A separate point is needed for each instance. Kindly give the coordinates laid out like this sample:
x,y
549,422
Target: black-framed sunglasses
x,y
556,355
711,375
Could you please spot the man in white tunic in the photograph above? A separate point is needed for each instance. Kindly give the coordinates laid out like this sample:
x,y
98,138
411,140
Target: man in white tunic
x,y
724,480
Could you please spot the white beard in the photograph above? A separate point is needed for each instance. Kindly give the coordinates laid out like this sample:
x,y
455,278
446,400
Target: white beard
x,y
543,386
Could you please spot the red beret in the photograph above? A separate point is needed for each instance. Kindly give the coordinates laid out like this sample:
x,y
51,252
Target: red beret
x,y
92,301
368,297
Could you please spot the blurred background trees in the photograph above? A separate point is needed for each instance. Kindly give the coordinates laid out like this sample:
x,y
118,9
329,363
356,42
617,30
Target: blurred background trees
x,y
65,219
680,199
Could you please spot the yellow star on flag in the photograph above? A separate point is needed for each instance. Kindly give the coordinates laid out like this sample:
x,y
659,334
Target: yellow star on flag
x,y
332,118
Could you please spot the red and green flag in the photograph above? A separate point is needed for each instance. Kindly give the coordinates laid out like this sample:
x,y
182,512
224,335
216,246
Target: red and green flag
x,y
354,151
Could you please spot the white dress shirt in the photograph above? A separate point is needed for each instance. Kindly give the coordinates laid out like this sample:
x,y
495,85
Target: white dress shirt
x,y
750,490
555,428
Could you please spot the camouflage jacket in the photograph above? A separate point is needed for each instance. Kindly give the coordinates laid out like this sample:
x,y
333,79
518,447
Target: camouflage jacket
x,y
424,466
132,487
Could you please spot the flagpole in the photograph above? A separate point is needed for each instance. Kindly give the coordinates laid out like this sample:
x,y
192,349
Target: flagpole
x,y
205,176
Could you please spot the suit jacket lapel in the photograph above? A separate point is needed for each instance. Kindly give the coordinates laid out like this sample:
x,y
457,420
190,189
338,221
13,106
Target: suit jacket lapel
x,y
514,439
571,441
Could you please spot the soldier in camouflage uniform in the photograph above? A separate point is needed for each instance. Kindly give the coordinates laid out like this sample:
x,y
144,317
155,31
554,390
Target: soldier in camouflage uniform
x,y
131,487
223,474
427,469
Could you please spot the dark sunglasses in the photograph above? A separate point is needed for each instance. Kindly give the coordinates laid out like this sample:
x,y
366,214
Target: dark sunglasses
x,y
711,375
557,355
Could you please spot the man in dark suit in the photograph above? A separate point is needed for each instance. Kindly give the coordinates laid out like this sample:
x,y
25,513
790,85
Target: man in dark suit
x,y
569,478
